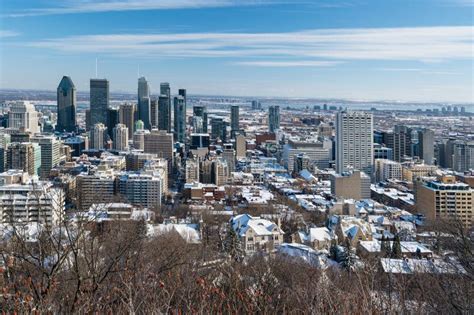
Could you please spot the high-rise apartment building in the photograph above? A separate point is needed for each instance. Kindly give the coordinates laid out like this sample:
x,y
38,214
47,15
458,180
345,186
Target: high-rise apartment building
x,y
66,99
24,156
354,142
94,188
99,101
98,136
23,115
273,118
161,143
120,137
127,117
141,189
180,119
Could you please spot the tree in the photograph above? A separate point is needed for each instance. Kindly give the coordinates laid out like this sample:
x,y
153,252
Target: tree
x,y
396,248
348,257
232,244
385,248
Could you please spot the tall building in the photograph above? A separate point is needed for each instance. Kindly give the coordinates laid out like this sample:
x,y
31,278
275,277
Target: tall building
x,y
180,119
161,143
354,142
165,90
446,198
66,98
4,142
426,145
112,119
240,146
218,128
154,113
228,154
144,112
120,137
387,169
127,117
23,115
94,188
351,185
400,141
164,116
99,101
24,156
50,153
234,120
273,118
141,189
139,139
201,111
192,170
318,152
98,136
463,156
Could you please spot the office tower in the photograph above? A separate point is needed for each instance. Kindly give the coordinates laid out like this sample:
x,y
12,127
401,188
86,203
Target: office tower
x,y
240,146
381,152
256,105
234,120
98,136
197,125
354,142
144,111
161,143
99,101
462,155
23,115
426,145
154,113
94,188
165,89
199,140
445,198
318,152
127,117
24,156
50,153
218,129
77,144
88,119
201,111
66,98
351,185
142,189
112,120
120,137
139,139
26,201
179,119
164,117
400,141
273,118
4,142
228,154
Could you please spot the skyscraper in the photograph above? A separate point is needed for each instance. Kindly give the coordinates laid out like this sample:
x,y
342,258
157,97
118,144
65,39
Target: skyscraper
x,y
127,117
112,119
426,145
201,111
161,143
164,117
144,102
218,128
354,142
97,136
400,141
50,153
273,118
24,156
99,101
23,115
234,119
66,98
154,113
120,137
180,119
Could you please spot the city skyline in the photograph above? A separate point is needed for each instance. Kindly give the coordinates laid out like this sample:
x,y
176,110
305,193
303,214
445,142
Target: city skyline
x,y
310,49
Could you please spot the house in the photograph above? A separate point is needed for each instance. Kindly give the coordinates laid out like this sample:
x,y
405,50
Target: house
x,y
412,266
409,249
352,229
318,238
257,234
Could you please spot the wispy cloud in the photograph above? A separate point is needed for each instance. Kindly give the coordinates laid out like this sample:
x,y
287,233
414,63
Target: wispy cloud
x,y
424,44
284,64
92,6
5,33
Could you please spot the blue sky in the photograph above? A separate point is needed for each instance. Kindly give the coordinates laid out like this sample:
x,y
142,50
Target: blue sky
x,y
413,50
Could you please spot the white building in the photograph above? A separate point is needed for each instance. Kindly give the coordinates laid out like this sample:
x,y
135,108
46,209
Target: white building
x,y
97,138
23,115
142,189
120,137
387,169
354,142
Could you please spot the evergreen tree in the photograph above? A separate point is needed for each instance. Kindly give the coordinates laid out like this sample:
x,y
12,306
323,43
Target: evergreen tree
x,y
396,248
348,258
383,249
232,244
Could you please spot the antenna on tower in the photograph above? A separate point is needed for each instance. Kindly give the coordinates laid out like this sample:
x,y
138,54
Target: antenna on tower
x,y
96,67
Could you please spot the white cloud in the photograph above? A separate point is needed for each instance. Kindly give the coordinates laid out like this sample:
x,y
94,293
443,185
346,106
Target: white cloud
x,y
424,44
91,6
5,33
283,64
